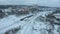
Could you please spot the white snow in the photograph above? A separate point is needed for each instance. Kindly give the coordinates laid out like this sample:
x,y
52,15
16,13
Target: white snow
x,y
27,25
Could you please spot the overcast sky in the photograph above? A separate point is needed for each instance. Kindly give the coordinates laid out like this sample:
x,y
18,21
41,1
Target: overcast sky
x,y
54,3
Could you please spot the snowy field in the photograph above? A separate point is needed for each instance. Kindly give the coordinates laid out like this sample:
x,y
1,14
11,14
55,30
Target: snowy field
x,y
29,25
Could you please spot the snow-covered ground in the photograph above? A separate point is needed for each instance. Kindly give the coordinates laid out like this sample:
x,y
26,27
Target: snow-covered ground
x,y
28,25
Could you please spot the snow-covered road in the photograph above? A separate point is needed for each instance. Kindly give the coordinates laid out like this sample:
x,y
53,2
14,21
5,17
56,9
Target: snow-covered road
x,y
28,28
